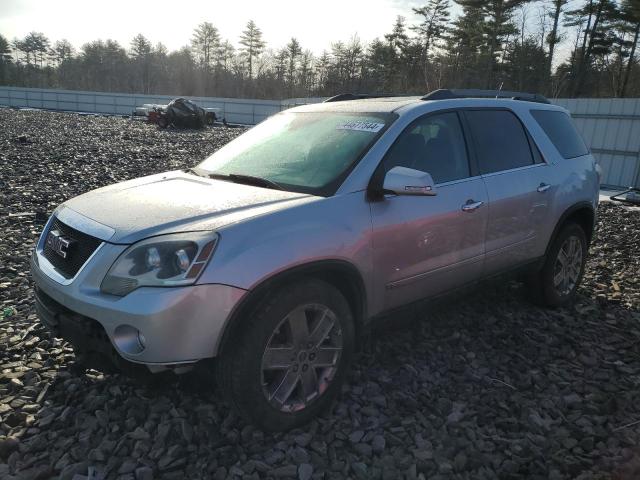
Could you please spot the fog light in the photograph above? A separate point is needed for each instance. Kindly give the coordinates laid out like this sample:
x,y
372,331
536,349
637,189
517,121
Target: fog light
x,y
129,339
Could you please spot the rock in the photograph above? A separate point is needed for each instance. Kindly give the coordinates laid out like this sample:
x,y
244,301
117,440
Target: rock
x,y
128,466
303,439
8,446
460,461
73,469
299,455
378,443
363,449
144,473
359,470
139,434
305,471
572,399
284,471
221,473
445,467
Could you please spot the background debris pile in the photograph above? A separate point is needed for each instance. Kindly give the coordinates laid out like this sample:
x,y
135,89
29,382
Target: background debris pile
x,y
490,388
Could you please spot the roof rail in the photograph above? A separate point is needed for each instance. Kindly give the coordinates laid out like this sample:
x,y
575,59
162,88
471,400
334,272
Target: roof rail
x,y
343,97
447,94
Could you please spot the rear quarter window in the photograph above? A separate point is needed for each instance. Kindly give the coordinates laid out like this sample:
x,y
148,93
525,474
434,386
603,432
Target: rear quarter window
x,y
562,133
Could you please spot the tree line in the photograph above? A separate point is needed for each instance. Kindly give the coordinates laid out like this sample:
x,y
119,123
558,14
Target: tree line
x,y
508,44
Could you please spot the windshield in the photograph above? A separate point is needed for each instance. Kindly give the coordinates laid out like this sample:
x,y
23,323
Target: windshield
x,y
304,152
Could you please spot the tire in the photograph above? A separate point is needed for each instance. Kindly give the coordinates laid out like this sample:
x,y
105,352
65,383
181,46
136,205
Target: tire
x,y
210,118
278,392
553,285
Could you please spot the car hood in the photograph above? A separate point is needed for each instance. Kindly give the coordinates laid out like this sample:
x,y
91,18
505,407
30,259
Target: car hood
x,y
175,202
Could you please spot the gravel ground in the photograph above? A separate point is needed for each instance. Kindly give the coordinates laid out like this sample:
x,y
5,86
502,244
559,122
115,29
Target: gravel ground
x,y
490,388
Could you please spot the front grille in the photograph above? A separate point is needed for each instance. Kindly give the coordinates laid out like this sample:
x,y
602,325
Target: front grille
x,y
78,253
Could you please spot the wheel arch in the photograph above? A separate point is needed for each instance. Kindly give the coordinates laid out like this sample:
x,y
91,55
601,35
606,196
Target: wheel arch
x,y
339,273
581,213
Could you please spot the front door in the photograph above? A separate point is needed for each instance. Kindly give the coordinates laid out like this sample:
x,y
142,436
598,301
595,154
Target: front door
x,y
425,245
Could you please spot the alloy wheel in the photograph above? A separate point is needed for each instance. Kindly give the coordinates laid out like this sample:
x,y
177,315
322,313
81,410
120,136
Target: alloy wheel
x,y
568,264
301,357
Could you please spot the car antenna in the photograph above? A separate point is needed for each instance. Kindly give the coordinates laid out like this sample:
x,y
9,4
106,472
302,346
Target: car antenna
x,y
499,90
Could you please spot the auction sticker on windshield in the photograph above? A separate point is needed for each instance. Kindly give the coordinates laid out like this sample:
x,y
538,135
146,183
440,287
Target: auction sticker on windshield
x,y
361,126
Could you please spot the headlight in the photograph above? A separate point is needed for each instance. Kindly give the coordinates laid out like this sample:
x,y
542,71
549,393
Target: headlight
x,y
163,261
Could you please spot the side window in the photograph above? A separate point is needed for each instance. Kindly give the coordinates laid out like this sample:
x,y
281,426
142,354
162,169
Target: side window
x,y
500,140
537,156
561,132
434,144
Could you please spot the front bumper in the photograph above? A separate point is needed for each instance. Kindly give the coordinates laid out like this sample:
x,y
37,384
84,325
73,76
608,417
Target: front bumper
x,y
178,324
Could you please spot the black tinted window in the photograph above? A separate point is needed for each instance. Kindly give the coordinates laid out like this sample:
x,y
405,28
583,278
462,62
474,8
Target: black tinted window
x,y
560,130
434,144
501,142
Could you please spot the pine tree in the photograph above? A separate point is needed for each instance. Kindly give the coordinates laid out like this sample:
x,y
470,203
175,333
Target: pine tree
x,y
293,52
596,40
62,50
252,44
435,17
554,38
140,47
630,10
141,54
398,42
464,46
5,58
5,50
205,43
398,38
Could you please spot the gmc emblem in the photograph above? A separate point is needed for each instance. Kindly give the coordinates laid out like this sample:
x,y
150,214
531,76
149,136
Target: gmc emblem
x,y
58,243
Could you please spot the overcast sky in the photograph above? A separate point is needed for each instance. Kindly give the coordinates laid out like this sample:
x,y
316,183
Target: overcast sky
x,y
314,24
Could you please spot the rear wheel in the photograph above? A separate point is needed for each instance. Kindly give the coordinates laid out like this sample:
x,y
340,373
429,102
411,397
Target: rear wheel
x,y
288,361
558,280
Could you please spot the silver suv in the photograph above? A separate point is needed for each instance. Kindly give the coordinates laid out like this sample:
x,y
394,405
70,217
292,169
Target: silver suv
x,y
275,253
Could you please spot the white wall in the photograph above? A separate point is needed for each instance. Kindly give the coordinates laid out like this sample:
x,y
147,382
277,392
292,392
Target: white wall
x,y
611,127
234,110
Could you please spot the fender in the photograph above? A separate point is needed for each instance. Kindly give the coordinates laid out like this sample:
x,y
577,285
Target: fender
x,y
342,274
584,205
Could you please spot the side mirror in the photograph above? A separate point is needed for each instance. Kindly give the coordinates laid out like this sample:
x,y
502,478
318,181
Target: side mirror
x,y
407,181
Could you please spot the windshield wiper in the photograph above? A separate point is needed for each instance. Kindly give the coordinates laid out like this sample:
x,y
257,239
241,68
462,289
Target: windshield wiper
x,y
247,180
195,171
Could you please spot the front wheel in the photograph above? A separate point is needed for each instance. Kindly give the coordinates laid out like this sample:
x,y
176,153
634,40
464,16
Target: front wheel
x,y
286,363
556,283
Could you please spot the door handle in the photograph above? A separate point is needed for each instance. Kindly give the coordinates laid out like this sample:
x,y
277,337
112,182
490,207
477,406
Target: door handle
x,y
543,187
471,206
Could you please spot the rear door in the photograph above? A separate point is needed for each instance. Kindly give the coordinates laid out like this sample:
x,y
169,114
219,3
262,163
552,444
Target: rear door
x,y
518,183
425,245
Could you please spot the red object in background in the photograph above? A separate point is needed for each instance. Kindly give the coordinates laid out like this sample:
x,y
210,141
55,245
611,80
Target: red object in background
x,y
153,116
